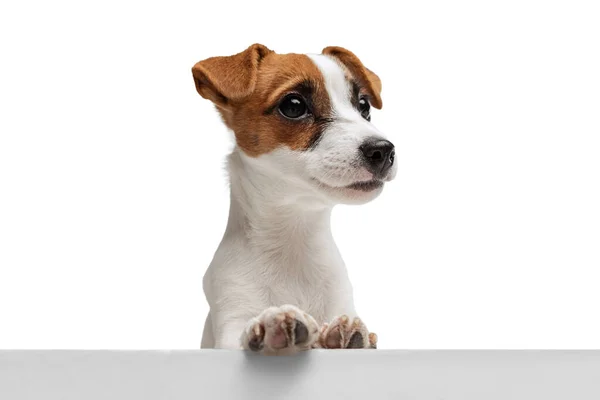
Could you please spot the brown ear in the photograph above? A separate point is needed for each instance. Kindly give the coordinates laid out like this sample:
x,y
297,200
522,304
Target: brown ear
x,y
224,79
366,77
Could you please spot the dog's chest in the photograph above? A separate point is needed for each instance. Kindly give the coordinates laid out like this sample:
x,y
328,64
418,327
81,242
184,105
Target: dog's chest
x,y
306,293
306,280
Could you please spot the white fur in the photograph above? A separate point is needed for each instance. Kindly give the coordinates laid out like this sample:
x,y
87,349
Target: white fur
x,y
278,247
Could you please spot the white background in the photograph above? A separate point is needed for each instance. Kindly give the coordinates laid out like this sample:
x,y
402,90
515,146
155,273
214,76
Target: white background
x,y
113,195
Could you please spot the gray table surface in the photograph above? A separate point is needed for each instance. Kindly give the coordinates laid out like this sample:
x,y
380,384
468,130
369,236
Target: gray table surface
x,y
348,374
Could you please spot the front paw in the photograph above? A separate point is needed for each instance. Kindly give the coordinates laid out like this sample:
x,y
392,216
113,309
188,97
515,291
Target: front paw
x,y
342,333
280,330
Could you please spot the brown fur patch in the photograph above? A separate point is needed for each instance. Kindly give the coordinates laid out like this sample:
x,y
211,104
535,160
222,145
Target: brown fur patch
x,y
256,121
247,88
222,79
367,78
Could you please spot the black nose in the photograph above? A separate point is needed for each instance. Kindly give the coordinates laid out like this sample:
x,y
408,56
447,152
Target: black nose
x,y
378,155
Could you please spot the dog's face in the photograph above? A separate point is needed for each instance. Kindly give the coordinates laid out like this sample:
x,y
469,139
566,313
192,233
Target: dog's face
x,y
305,116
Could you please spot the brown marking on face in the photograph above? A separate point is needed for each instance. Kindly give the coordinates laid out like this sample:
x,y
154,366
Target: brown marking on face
x,y
258,116
247,89
357,86
365,77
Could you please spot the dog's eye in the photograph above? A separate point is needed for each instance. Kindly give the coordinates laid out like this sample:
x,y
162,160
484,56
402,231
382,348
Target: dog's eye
x,y
293,107
365,108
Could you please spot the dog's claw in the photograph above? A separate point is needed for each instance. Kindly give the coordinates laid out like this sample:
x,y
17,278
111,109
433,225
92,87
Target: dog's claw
x,y
300,332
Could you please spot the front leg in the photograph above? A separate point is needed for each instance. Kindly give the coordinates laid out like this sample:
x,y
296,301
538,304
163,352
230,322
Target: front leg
x,y
342,333
280,330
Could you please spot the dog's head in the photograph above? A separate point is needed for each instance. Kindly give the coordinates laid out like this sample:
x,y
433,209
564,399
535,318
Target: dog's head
x,y
307,116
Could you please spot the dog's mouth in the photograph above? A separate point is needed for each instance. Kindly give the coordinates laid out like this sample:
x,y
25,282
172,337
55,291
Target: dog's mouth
x,y
363,186
367,186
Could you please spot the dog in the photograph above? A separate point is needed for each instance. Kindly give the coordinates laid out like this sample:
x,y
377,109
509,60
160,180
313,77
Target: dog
x,y
303,143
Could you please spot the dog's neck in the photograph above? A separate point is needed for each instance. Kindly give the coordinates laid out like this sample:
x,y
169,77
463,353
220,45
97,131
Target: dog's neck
x,y
275,215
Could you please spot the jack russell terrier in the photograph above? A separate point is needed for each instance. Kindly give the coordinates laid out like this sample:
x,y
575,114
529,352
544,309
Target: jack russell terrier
x,y
304,142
